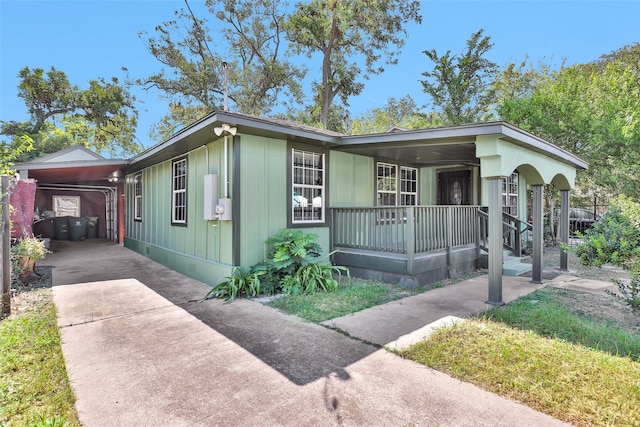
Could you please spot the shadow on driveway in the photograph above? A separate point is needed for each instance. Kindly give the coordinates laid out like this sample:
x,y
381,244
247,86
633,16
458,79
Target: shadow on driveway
x,y
303,352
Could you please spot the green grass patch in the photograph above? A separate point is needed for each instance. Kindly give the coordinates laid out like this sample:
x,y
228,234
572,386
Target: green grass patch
x,y
549,312
352,296
34,388
571,382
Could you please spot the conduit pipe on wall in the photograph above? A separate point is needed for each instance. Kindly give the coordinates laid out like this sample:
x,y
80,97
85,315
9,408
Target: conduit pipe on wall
x,y
227,130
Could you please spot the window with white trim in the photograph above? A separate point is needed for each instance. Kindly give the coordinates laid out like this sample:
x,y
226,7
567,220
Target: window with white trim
x,y
137,203
510,194
179,191
389,193
307,181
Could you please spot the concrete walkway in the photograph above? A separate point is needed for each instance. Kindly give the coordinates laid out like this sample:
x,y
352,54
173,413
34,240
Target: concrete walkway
x,y
143,349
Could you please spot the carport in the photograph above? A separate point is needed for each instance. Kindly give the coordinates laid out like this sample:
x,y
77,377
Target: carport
x,y
77,175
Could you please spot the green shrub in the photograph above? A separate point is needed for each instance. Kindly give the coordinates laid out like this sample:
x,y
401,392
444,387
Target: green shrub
x,y
615,239
629,292
291,267
238,283
24,253
312,277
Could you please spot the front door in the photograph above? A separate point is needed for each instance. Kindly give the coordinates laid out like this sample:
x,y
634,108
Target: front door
x,y
454,188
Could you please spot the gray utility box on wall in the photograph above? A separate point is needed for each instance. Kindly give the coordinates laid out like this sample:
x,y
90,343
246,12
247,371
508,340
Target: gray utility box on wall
x,y
210,196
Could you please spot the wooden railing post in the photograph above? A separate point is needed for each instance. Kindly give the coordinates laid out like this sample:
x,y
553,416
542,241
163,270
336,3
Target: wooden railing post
x,y
410,238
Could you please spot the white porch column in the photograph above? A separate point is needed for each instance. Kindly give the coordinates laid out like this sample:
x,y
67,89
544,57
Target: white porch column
x,y
495,241
538,235
564,228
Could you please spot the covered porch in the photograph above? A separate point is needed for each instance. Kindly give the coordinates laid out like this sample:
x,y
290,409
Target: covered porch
x,y
440,237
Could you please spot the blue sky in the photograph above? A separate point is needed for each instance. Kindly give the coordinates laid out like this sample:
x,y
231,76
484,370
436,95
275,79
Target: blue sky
x,y
95,38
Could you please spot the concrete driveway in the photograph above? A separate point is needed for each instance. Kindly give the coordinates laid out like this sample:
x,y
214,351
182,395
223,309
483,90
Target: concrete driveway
x,y
142,348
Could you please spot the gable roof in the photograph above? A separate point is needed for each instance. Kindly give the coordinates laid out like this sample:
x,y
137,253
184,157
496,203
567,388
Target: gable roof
x,y
69,154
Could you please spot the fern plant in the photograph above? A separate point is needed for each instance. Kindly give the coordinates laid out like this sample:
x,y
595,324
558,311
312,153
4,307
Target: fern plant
x,y
292,267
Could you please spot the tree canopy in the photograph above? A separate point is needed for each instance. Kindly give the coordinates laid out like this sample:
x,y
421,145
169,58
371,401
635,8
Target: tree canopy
x,y
247,64
347,35
403,113
592,110
458,85
102,117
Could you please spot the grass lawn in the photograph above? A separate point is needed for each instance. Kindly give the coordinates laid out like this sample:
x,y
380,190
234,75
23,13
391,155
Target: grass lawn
x,y
558,360
353,295
572,355
34,388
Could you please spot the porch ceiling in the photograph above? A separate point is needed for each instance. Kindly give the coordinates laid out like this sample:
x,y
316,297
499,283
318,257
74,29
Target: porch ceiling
x,y
420,153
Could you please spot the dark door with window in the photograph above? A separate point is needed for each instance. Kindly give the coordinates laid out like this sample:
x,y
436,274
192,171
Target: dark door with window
x,y
454,188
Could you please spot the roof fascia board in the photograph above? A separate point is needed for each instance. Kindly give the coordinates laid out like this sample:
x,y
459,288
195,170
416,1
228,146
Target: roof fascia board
x,y
239,121
74,164
467,131
540,144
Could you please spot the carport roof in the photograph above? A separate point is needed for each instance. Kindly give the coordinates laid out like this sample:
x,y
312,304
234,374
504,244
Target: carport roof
x,y
73,165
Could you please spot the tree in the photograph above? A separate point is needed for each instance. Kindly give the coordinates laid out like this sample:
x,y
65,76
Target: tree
x,y
195,80
344,33
403,113
102,117
591,110
459,85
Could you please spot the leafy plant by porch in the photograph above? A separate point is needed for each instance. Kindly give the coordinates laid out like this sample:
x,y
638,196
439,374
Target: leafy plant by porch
x,y
292,267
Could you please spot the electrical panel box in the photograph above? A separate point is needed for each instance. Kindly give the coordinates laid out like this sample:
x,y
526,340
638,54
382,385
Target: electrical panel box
x,y
224,209
210,197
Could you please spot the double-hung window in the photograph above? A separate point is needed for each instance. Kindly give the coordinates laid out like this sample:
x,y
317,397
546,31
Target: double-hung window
x,y
394,191
307,181
510,194
137,203
179,191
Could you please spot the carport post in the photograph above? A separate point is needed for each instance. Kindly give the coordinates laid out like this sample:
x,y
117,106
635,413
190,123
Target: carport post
x,y
564,228
6,246
538,235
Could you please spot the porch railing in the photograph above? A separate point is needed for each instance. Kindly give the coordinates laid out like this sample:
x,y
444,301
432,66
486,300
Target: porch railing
x,y
513,229
405,229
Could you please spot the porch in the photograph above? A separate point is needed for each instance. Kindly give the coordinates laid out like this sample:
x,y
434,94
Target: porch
x,y
418,245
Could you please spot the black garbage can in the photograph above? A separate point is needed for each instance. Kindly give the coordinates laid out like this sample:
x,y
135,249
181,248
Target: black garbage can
x,y
77,229
92,227
61,228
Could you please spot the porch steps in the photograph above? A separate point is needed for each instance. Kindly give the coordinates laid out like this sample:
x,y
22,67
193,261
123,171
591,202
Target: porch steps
x,y
511,265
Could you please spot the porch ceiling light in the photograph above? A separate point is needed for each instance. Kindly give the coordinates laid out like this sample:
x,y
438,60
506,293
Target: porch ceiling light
x,y
225,128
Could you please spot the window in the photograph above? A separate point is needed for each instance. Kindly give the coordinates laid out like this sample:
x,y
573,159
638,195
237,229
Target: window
x,y
408,186
66,205
137,204
307,187
387,185
510,194
179,190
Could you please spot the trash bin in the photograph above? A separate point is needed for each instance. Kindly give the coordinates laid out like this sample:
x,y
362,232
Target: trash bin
x,y
77,229
61,228
92,227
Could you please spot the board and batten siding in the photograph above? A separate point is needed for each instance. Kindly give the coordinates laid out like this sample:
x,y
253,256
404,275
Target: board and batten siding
x,y
352,180
263,197
200,249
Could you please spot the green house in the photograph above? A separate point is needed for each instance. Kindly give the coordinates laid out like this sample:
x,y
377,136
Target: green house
x,y
405,206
